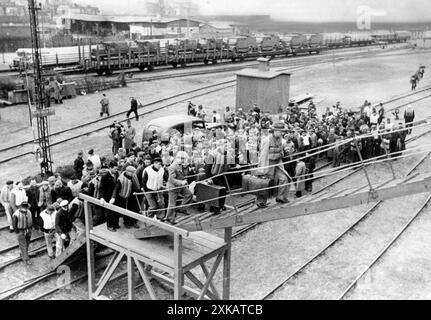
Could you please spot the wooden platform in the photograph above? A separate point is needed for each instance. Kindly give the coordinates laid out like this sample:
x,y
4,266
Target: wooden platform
x,y
175,254
413,184
234,204
159,252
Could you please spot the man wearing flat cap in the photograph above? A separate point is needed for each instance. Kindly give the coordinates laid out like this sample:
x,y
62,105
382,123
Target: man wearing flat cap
x,y
22,223
272,154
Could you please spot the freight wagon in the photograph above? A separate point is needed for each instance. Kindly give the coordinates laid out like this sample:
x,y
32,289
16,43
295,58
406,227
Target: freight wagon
x,y
358,39
50,58
315,42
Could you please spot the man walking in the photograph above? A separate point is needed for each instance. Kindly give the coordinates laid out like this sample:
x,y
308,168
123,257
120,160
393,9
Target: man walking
x,y
105,105
22,224
133,108
65,230
47,225
272,154
177,182
5,201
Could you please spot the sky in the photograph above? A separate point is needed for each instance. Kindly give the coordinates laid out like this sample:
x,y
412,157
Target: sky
x,y
294,10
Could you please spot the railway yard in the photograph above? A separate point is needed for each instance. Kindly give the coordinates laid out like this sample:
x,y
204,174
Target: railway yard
x,y
377,250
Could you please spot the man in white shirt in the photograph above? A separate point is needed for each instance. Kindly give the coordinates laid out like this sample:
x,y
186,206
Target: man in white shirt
x,y
47,225
18,196
389,125
5,201
95,159
215,117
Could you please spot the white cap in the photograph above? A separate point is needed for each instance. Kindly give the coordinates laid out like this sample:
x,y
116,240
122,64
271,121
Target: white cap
x,y
64,203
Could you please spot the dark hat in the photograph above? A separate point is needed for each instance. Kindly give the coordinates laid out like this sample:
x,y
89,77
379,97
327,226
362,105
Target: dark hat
x,y
157,160
112,164
278,126
9,182
50,208
130,154
24,204
91,151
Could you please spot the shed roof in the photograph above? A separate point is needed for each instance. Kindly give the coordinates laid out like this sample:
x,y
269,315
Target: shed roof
x,y
122,19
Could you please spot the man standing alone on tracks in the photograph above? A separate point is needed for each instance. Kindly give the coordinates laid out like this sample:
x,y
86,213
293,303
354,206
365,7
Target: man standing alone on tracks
x,y
22,224
105,105
133,108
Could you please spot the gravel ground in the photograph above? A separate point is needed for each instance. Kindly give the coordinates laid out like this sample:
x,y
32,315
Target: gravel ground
x,y
365,80
329,276
403,272
255,269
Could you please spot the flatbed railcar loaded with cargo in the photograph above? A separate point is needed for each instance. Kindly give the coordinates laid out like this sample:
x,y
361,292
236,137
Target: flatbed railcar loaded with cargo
x,y
110,56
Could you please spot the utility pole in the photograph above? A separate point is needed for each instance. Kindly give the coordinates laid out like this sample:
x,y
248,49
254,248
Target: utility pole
x,y
40,99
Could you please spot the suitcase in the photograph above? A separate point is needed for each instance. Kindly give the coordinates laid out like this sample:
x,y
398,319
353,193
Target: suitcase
x,y
204,191
250,183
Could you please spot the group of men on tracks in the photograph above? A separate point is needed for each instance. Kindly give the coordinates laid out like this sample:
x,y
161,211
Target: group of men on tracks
x,y
264,149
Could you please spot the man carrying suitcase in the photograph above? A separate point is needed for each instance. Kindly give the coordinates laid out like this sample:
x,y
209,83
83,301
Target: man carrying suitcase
x,y
271,153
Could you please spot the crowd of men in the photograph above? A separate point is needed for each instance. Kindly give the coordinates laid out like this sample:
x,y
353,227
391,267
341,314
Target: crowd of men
x,y
165,168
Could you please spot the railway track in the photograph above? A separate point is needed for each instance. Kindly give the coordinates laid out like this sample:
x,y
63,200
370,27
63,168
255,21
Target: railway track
x,y
113,116
337,240
353,284
178,98
32,282
323,52
247,228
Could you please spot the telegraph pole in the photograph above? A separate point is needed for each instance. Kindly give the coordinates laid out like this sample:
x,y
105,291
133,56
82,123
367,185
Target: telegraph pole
x,y
40,99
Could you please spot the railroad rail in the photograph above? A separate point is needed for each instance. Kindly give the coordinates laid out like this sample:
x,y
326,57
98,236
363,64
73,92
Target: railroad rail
x,y
13,291
179,98
347,231
354,283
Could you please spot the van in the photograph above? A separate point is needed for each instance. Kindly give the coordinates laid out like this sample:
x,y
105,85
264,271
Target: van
x,y
163,125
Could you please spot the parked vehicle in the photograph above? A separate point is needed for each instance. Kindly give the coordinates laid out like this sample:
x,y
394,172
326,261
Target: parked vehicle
x,y
164,125
268,43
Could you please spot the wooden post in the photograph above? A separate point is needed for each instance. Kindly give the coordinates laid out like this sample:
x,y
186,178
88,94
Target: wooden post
x,y
79,49
362,163
109,57
130,57
131,277
90,250
178,265
226,263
